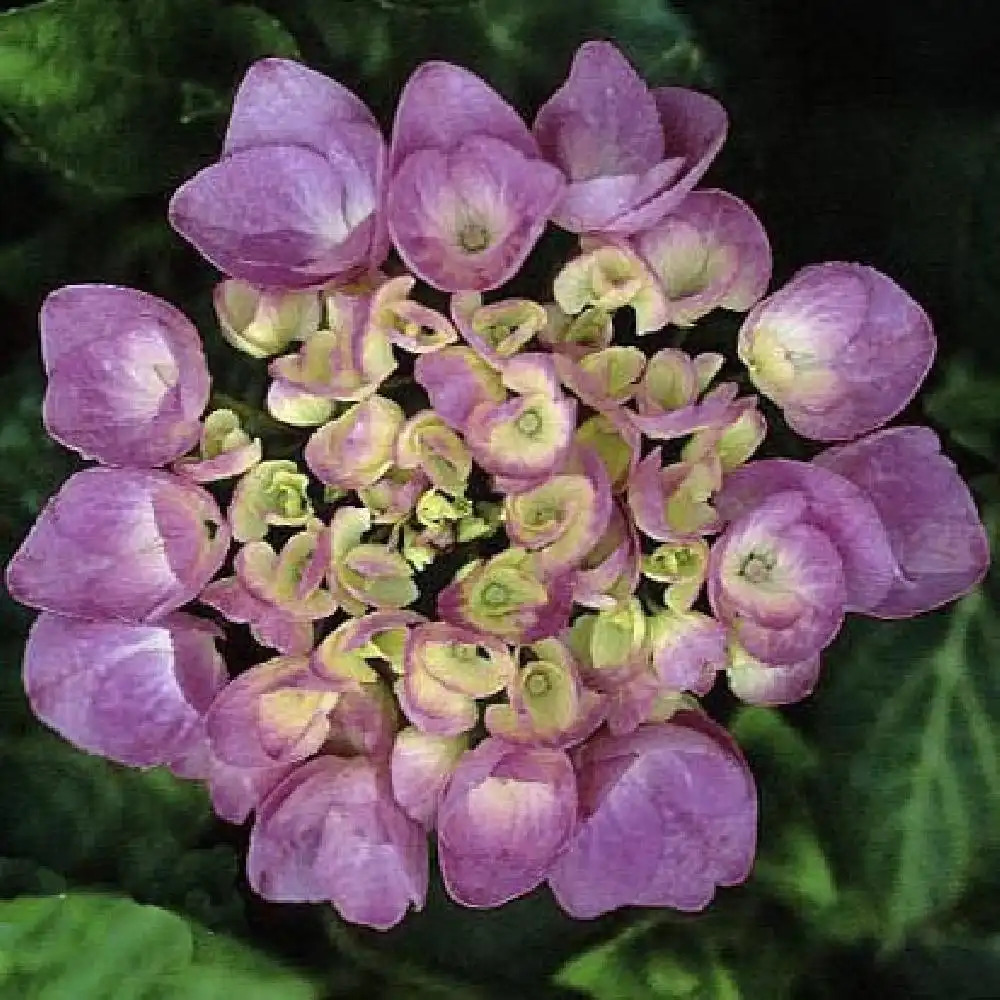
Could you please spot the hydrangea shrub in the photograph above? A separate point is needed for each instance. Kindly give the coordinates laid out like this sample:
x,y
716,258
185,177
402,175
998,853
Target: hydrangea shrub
x,y
519,540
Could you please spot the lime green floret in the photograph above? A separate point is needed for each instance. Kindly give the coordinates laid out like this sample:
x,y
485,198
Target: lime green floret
x,y
286,494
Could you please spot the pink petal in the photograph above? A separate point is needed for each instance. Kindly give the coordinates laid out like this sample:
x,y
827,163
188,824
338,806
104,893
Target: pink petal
x,y
603,120
282,215
331,832
134,693
120,544
127,378
505,816
939,546
837,507
484,187
283,103
669,813
442,105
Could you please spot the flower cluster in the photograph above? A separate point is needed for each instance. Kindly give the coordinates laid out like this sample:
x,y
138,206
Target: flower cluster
x,y
518,540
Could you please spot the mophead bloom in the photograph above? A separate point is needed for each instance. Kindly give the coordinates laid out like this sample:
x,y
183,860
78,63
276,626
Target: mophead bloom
x,y
668,813
469,193
127,545
295,199
471,541
629,154
841,349
127,378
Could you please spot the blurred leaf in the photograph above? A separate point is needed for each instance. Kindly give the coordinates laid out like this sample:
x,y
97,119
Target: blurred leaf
x,y
19,877
712,956
956,969
519,944
143,250
123,97
89,947
909,719
792,864
31,465
965,402
522,47
140,830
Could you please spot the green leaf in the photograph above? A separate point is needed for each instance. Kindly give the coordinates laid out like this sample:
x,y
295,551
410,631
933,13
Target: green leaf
x,y
909,721
532,928
522,47
127,98
33,464
144,831
711,956
956,968
90,947
965,402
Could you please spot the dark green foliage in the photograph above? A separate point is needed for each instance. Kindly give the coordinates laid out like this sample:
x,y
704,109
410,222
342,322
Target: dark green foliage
x,y
860,131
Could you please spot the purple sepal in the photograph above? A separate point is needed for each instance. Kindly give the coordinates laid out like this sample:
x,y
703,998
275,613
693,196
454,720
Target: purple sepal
x,y
759,683
836,506
274,714
332,832
710,252
940,549
777,581
688,649
136,694
270,625
841,349
466,218
237,791
505,816
630,155
295,200
669,812
127,378
121,544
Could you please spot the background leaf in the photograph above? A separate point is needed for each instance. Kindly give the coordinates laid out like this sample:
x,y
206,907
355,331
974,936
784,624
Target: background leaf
x,y
521,46
126,97
909,724
89,947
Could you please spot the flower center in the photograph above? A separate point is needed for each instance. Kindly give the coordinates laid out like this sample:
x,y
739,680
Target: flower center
x,y
756,568
474,237
529,423
537,683
495,595
546,513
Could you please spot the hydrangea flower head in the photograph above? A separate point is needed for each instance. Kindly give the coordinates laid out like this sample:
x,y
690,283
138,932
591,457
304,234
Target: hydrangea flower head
x,y
483,556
